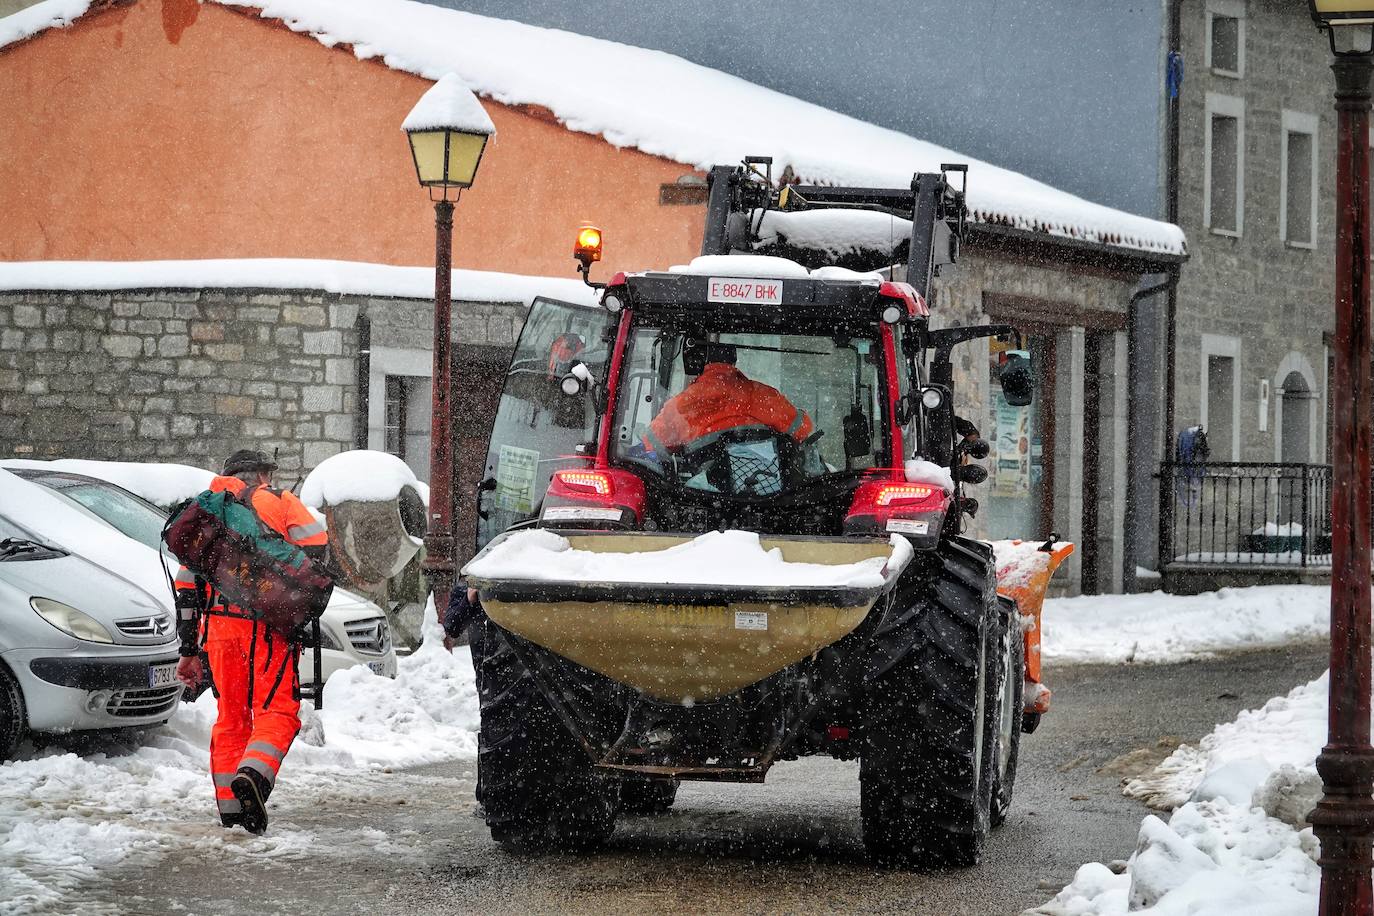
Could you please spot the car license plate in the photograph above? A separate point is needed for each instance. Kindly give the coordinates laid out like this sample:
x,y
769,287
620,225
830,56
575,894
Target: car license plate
x,y
380,669
162,675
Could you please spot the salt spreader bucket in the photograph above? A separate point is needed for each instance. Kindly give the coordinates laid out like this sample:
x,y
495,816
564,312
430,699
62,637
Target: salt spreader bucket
x,y
685,640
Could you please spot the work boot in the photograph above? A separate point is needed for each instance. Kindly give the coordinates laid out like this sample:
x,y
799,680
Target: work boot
x,y
231,820
251,790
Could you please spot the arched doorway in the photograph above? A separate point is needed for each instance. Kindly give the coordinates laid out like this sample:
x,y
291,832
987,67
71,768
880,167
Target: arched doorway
x,y
1295,422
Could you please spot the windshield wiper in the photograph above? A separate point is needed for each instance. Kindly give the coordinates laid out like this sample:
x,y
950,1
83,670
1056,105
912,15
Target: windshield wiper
x,y
16,547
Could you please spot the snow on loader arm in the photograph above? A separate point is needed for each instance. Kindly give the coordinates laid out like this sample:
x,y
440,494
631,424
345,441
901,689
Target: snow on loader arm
x,y
1024,571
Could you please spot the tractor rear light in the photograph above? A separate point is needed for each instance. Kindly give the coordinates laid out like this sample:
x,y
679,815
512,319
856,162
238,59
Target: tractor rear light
x,y
905,494
594,498
888,507
838,733
597,482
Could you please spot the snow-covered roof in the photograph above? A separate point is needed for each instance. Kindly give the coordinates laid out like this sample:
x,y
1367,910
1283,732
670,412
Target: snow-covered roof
x,y
665,106
344,277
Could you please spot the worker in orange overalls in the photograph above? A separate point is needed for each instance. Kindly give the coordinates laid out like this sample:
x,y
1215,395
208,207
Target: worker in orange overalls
x,y
253,672
723,398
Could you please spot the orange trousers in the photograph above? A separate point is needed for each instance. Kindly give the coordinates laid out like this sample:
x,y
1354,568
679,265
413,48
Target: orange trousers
x,y
252,730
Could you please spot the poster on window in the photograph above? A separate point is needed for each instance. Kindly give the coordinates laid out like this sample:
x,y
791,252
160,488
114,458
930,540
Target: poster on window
x,y
1011,450
516,471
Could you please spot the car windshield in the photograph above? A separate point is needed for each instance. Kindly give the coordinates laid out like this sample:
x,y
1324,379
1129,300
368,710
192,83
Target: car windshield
x,y
128,514
748,414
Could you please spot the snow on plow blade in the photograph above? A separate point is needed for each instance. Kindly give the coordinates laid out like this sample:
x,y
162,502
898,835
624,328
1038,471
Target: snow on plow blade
x,y
686,640
1024,570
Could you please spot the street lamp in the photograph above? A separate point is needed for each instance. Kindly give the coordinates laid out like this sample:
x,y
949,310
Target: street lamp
x,y
448,131
1344,818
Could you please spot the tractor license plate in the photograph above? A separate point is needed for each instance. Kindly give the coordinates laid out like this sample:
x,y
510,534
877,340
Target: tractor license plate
x,y
731,289
162,675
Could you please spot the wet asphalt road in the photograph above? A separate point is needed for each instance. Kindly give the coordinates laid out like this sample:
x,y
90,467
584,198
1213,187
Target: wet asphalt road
x,y
407,843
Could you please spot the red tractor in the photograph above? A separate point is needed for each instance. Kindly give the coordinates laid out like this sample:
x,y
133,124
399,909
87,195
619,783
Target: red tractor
x,y
830,431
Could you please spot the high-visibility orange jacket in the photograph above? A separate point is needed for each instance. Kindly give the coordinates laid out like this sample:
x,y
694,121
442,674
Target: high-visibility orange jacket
x,y
722,398
259,692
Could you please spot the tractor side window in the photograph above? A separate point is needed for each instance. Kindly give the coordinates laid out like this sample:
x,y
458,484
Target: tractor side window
x,y
539,429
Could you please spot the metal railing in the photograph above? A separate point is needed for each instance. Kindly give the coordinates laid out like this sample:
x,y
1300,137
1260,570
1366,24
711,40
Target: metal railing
x,y
1245,513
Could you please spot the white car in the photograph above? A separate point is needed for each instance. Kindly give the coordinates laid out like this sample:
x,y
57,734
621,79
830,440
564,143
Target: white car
x,y
80,647
353,630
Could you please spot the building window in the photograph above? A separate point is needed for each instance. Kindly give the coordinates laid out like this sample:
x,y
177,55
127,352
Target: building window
x,y
407,421
1220,413
1224,175
1298,177
1226,37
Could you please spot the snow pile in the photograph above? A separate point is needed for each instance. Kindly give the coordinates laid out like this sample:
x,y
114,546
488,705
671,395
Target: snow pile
x,y
918,470
449,103
836,232
55,521
1238,842
362,475
65,818
1160,628
742,265
1238,758
717,558
1274,529
832,272
161,484
343,277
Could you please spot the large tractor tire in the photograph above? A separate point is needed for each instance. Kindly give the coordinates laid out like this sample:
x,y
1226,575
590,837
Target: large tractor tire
x,y
929,721
534,781
647,796
1013,666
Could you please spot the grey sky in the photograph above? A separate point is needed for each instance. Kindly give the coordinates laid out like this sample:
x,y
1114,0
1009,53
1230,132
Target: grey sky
x,y
1063,90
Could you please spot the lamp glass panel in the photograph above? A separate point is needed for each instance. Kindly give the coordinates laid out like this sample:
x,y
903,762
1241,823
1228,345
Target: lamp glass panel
x,y
464,152
428,146
1343,7
1353,39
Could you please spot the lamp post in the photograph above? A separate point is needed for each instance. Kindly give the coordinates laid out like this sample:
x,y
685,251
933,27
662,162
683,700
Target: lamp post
x,y
448,131
1344,818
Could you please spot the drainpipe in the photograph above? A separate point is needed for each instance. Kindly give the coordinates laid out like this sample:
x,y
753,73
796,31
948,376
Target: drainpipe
x,y
364,381
1138,448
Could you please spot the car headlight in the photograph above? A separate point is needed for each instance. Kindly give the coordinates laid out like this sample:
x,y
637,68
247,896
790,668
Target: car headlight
x,y
70,621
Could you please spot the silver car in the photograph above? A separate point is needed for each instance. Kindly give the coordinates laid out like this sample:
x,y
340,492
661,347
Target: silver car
x,y
353,630
80,647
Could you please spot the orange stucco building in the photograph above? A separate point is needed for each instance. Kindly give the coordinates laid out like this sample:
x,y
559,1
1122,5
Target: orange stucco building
x,y
168,129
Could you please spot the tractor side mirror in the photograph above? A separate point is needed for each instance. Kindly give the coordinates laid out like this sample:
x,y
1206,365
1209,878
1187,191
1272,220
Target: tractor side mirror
x,y
488,485
1018,385
858,433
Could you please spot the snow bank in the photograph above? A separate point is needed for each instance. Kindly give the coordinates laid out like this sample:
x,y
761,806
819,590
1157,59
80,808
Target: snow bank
x,y
361,474
1238,841
1161,628
65,818
162,484
716,558
449,103
343,277
45,514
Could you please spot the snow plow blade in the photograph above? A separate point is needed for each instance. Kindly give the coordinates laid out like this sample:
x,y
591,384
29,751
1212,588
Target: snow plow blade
x,y
1024,571
683,643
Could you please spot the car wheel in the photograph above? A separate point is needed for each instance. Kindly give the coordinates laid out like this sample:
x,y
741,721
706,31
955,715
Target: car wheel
x,y
13,723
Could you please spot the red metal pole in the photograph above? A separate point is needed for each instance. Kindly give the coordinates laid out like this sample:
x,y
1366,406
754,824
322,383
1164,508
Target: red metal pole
x,y
1344,818
438,563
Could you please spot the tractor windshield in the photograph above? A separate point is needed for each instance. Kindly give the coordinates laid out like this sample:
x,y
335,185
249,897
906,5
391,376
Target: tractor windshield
x,y
748,414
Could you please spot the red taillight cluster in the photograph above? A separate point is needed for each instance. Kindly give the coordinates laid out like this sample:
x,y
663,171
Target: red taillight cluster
x,y
597,482
594,498
897,507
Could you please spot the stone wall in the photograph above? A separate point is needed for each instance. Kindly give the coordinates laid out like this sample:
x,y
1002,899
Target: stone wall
x,y
190,375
